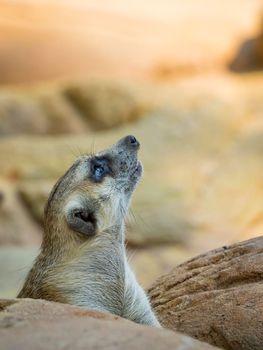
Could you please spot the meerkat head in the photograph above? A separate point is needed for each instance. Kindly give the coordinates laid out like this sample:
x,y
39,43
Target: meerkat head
x,y
94,194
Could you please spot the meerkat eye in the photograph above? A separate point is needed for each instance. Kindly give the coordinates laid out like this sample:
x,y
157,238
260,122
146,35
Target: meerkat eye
x,y
82,215
98,171
99,168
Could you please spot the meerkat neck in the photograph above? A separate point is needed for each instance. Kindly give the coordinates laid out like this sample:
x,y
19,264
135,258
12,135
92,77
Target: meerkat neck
x,y
115,233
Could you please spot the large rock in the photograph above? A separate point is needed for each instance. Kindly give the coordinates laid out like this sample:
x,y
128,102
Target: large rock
x,y
61,116
216,297
75,108
34,324
107,104
19,115
41,112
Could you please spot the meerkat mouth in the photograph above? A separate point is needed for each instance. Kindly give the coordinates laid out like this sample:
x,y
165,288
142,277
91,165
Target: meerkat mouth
x,y
138,168
136,171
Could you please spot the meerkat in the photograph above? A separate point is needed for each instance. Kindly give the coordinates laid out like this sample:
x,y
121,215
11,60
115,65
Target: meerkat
x,y
83,258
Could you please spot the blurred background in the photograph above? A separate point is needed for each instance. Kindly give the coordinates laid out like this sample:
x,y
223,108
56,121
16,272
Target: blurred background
x,y
185,77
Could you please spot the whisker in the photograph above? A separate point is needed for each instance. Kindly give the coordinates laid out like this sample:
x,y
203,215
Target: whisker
x,y
133,216
130,253
92,147
74,150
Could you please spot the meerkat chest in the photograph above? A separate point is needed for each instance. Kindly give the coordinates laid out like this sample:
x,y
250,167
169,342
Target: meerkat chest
x,y
96,279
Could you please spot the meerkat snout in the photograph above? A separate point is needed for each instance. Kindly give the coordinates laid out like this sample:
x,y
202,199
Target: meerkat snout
x,y
83,258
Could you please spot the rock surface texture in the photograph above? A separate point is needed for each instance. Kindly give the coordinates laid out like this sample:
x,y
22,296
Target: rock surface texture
x,y
216,297
36,324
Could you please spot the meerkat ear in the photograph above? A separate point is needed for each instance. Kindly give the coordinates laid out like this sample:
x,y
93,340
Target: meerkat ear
x,y
82,220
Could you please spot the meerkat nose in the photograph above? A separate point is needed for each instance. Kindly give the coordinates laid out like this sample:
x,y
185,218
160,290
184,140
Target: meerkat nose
x,y
132,141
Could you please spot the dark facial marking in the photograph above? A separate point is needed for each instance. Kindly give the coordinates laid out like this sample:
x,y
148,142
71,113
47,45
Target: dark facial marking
x,y
99,168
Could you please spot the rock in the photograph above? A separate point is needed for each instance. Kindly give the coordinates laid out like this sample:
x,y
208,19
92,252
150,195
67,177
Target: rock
x,y
16,226
36,324
61,115
44,112
107,104
77,108
20,115
216,297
